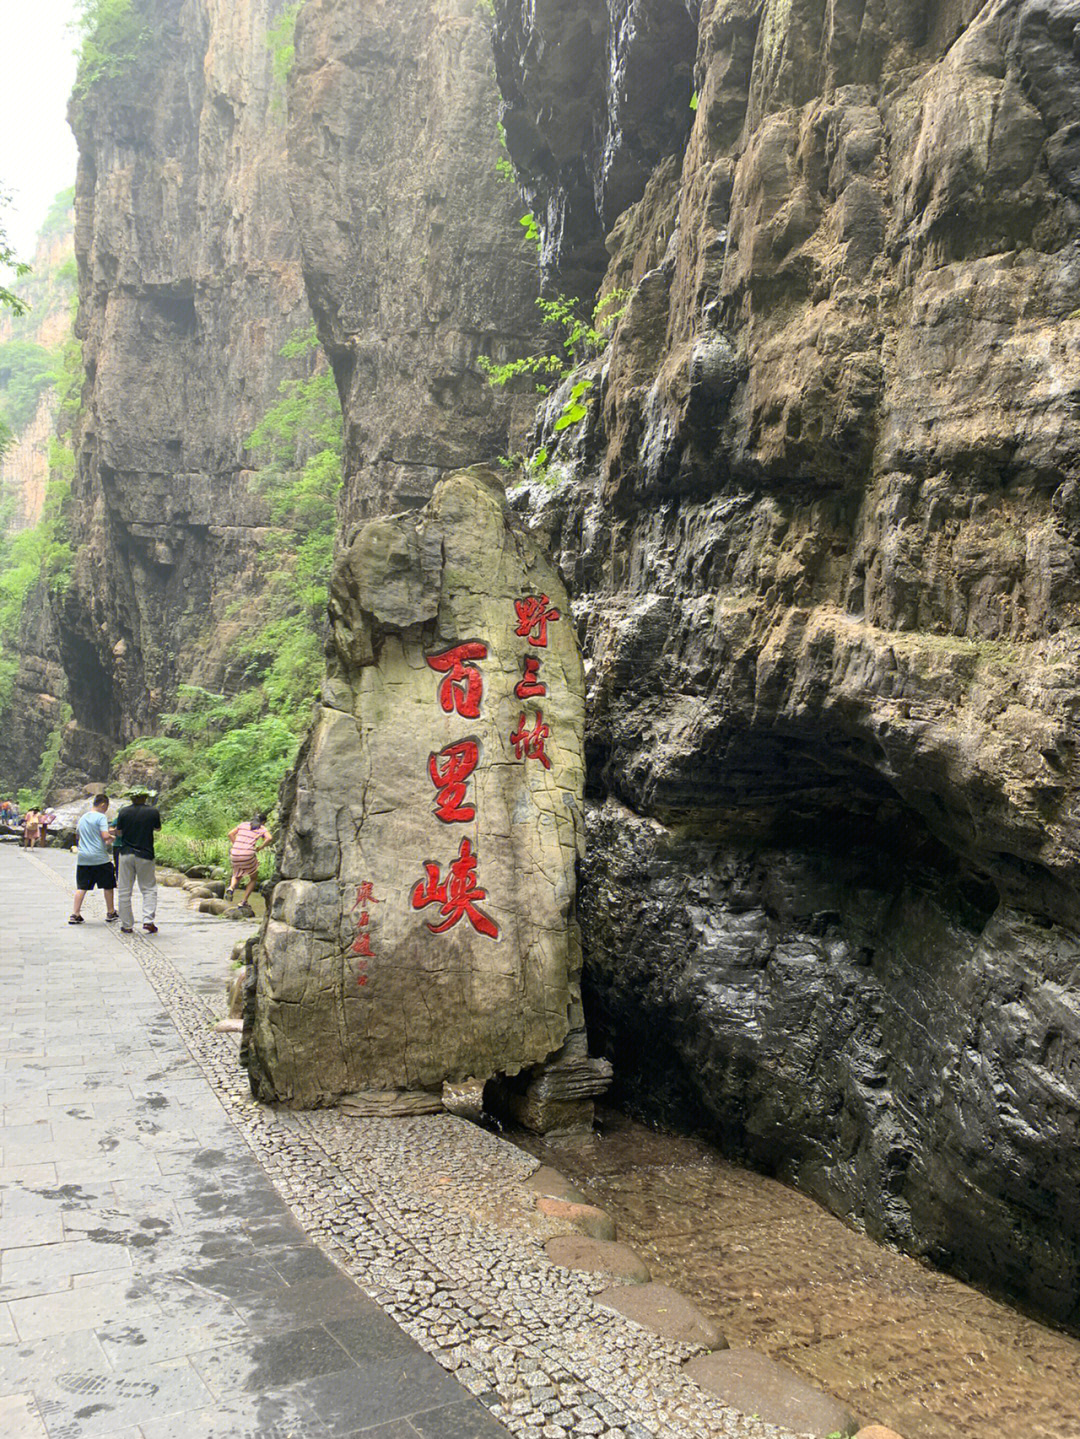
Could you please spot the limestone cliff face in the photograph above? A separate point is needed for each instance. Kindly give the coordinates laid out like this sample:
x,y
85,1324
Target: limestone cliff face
x,y
189,285
822,523
35,706
414,259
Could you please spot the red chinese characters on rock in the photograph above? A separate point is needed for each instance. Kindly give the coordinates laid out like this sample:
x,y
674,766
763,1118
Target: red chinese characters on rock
x,y
534,614
457,895
362,944
449,769
529,744
530,686
463,687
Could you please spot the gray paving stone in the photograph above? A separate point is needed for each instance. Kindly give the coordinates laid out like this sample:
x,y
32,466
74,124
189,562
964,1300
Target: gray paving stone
x,y
273,1415
370,1394
19,1418
18,1231
22,1364
160,1335
273,1362
457,1421
74,1309
77,1405
45,1262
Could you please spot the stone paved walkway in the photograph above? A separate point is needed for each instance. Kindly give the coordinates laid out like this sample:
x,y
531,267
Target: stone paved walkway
x,y
157,1274
152,1282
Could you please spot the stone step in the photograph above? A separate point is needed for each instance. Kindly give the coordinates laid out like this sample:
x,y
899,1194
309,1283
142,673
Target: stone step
x,y
756,1384
665,1311
597,1256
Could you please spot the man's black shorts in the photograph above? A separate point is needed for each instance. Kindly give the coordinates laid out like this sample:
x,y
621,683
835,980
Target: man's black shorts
x,y
95,876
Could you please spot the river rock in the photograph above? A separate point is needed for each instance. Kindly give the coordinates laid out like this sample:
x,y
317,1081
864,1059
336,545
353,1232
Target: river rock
x,y
553,1185
597,1256
557,1097
587,1219
665,1311
755,1384
422,928
211,906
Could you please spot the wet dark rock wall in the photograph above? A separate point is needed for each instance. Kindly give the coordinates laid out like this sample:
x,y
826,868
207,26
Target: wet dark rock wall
x,y
821,525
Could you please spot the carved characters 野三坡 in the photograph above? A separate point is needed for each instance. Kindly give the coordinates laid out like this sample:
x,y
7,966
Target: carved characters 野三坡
x,y
534,614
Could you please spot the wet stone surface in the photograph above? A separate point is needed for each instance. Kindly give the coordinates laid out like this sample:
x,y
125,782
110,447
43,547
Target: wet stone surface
x,y
152,1281
180,1336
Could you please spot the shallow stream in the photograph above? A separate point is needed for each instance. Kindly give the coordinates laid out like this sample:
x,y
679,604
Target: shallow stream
x,y
902,1344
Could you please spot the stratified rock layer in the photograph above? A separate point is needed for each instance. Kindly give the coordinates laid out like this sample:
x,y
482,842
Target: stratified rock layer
x,y
423,926
822,524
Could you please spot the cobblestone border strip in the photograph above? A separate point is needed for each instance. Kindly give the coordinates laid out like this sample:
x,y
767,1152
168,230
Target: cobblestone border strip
x,y
521,1334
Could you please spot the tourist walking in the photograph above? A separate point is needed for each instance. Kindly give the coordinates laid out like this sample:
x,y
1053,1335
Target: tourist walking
x,y
93,868
31,829
135,826
247,839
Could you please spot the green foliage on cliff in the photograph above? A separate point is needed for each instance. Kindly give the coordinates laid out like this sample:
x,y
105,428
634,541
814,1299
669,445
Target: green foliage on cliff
x,y
280,39
9,261
26,372
577,334
28,557
225,755
112,34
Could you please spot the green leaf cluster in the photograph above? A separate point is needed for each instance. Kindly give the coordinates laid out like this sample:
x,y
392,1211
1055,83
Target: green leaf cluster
x,y
577,335
112,36
9,261
280,40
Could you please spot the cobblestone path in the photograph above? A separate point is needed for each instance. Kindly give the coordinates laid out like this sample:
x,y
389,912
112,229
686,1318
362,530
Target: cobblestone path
x,y
157,1272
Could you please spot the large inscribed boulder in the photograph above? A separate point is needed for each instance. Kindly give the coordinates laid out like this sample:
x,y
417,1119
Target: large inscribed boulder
x,y
422,927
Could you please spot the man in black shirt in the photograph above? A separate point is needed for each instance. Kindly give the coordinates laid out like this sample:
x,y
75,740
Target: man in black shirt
x,y
135,826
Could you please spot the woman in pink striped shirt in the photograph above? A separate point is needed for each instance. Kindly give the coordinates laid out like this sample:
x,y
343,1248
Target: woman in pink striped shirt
x,y
247,840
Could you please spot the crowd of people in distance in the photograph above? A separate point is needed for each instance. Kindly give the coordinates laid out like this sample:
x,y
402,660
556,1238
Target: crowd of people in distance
x,y
32,827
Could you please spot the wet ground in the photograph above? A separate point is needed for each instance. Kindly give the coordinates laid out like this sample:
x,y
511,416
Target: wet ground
x,y
153,1283
915,1349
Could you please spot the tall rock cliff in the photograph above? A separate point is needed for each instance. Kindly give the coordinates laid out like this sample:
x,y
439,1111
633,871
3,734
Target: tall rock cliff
x,y
191,281
822,523
413,255
35,354
189,285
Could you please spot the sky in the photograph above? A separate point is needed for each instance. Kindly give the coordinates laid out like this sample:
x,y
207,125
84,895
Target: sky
x,y
37,150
